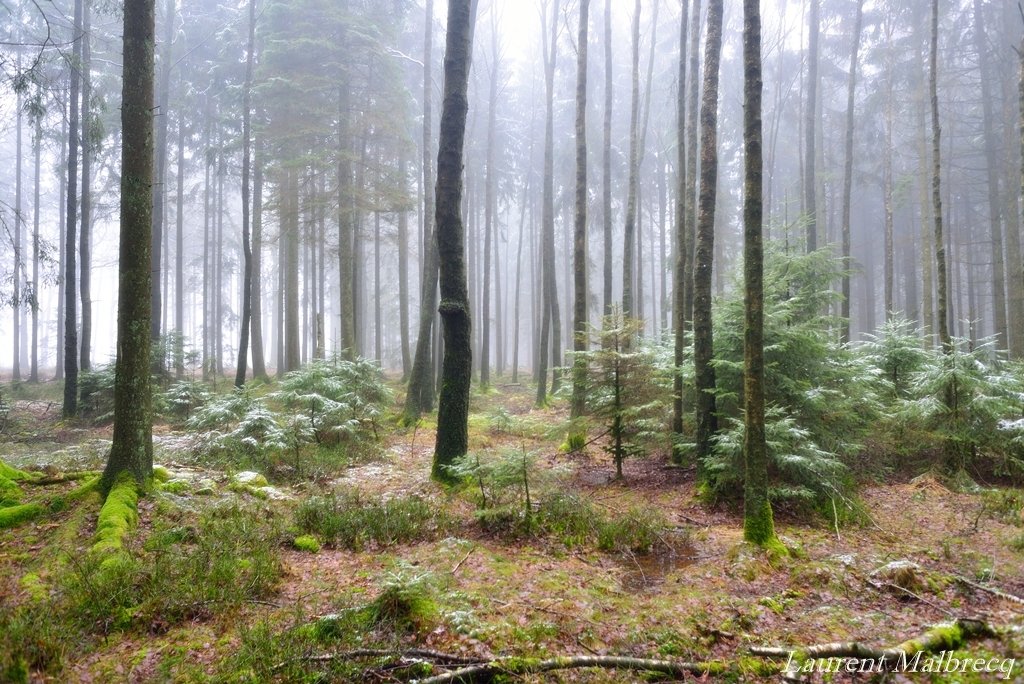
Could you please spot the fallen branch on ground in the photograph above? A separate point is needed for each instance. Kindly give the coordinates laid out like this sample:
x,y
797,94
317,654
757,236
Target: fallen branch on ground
x,y
522,666
61,478
950,636
421,653
990,590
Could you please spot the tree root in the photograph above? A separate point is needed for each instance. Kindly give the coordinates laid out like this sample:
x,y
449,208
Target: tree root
x,y
949,636
61,478
13,516
521,666
118,515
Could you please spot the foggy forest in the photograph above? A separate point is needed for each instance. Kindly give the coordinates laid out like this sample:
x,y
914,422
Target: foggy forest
x,y
497,340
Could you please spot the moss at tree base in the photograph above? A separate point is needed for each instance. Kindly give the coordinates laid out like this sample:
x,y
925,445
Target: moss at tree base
x,y
16,515
760,529
118,515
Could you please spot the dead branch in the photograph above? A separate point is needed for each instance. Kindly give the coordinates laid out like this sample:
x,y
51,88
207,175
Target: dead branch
x,y
522,666
940,637
436,657
990,590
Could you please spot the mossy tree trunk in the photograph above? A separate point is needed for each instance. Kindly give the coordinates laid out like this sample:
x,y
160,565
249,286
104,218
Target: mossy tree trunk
x,y
758,526
579,383
132,448
703,342
453,405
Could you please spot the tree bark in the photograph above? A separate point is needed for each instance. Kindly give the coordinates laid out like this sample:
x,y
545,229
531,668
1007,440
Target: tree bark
x,y
703,341
159,186
887,190
606,158
420,394
345,218
992,169
290,223
810,181
179,256
403,270
37,154
132,447
453,412
85,230
62,258
259,366
579,345
851,87
692,154
940,247
629,237
758,526
243,344
19,266
485,318
70,270
679,319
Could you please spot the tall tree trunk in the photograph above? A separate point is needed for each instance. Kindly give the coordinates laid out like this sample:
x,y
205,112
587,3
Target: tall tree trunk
x,y
1015,267
492,107
37,154
550,328
291,272
940,247
810,113
403,270
85,232
522,239
758,526
243,344
692,155
207,279
992,169
62,258
378,330
629,237
927,225
179,256
420,395
703,341
159,186
259,366
453,405
19,266
70,271
606,158
345,217
218,259
579,344
132,447
851,88
887,190
680,284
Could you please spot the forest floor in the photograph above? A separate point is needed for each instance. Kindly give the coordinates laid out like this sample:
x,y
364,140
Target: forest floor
x,y
690,591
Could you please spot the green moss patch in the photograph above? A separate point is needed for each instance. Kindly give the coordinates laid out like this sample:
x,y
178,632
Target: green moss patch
x,y
307,542
118,515
16,515
10,492
13,473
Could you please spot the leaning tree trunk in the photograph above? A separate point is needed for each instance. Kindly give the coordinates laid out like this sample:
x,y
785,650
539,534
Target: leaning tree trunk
x,y
628,310
453,405
70,291
679,285
420,395
810,185
703,342
758,526
132,447
940,245
579,343
851,87
243,344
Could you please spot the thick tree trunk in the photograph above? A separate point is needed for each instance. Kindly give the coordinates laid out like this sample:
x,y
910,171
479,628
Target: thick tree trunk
x,y
259,366
680,285
851,87
940,247
629,236
243,344
992,169
70,270
132,447
703,342
927,226
579,345
758,527
810,112
453,411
